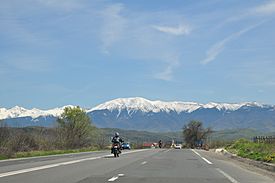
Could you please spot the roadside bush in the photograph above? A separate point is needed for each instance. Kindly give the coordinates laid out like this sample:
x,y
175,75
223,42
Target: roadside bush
x,y
252,150
219,144
22,142
270,158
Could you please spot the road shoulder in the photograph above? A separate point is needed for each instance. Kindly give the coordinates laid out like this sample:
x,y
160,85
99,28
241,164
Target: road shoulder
x,y
221,156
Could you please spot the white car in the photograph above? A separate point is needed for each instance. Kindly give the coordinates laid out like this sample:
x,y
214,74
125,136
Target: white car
x,y
178,146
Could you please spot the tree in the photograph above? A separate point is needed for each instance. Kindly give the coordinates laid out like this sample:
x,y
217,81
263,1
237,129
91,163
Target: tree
x,y
4,132
194,133
74,128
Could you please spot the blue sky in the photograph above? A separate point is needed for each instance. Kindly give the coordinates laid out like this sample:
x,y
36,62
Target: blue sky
x,y
83,52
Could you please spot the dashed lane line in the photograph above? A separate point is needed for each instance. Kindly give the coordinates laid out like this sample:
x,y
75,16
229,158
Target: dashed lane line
x,y
112,179
115,177
206,160
231,179
144,162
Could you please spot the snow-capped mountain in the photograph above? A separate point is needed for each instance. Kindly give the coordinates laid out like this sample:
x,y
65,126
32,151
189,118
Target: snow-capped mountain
x,y
18,112
144,105
142,114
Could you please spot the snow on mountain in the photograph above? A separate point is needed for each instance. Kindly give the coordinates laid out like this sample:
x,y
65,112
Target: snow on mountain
x,y
129,104
17,112
144,105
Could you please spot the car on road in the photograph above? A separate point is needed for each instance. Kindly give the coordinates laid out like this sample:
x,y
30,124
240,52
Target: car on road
x,y
177,146
125,146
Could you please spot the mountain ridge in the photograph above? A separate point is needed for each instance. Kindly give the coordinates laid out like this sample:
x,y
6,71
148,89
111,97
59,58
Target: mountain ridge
x,y
130,104
142,114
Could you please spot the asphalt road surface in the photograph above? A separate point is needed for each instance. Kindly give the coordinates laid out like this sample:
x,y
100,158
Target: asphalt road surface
x,y
137,166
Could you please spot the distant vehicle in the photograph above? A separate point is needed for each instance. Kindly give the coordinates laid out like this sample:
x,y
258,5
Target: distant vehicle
x,y
177,146
125,146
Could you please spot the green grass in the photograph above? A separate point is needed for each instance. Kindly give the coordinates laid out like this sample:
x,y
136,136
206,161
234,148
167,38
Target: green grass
x,y
47,153
256,151
2,157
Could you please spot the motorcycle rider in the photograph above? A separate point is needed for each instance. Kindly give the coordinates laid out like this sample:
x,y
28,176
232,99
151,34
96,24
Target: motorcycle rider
x,y
117,140
160,144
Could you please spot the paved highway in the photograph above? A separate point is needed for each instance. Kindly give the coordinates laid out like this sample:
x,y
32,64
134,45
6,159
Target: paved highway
x,y
139,166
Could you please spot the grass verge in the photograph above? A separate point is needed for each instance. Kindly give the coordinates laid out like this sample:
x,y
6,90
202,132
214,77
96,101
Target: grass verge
x,y
256,151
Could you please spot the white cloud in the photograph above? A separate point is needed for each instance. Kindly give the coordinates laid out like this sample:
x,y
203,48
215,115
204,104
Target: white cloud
x,y
165,75
265,9
217,48
172,63
112,26
177,31
129,34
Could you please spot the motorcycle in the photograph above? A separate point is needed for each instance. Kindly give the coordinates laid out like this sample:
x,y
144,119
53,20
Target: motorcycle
x,y
116,149
160,144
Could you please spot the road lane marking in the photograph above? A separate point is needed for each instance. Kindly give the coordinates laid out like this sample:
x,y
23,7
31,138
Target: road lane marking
x,y
5,174
206,160
112,179
135,151
49,156
115,177
144,162
231,179
27,170
44,167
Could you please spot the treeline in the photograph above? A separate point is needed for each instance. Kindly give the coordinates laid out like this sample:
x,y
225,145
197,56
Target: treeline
x,y
74,130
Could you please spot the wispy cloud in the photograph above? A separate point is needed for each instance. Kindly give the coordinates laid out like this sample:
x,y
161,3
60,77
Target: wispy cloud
x,y
217,48
122,29
177,31
265,9
112,26
167,73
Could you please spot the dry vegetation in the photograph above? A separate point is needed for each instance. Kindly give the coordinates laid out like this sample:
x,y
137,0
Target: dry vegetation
x,y
74,133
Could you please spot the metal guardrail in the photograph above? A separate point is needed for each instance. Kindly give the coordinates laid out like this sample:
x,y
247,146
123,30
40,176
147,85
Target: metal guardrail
x,y
264,139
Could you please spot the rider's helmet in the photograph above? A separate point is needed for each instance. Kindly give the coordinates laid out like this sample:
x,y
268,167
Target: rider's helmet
x,y
116,134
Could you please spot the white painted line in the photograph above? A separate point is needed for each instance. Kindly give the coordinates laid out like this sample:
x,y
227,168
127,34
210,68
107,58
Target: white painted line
x,y
56,165
140,150
115,177
206,160
49,156
166,151
209,162
27,170
144,162
112,179
231,179
45,167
